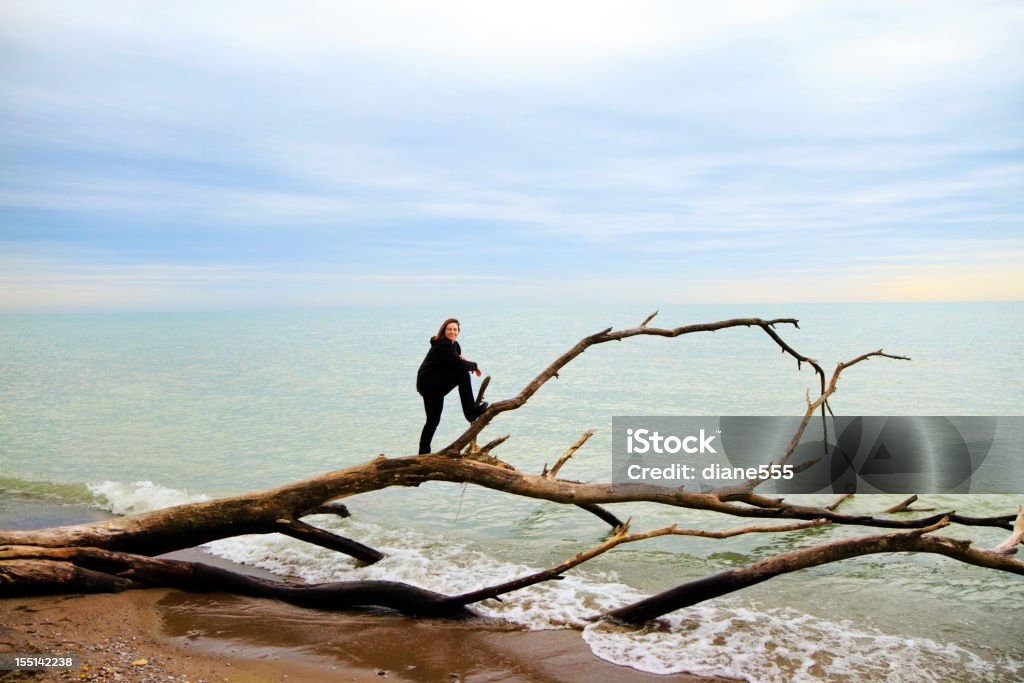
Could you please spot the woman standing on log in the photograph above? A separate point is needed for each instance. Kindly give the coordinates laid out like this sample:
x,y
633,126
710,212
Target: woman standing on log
x,y
442,370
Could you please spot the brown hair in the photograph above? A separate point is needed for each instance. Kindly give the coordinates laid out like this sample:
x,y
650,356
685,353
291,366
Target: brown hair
x,y
446,323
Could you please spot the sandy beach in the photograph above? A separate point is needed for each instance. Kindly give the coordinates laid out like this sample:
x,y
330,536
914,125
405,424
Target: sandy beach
x,y
170,635
167,635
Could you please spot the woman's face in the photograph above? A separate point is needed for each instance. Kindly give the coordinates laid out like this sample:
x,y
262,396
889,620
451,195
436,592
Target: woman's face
x,y
451,331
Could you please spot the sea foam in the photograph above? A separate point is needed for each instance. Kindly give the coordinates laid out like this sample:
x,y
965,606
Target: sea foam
x,y
725,637
124,498
731,639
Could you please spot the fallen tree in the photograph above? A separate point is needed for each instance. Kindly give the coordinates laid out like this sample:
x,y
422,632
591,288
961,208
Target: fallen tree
x,y
120,554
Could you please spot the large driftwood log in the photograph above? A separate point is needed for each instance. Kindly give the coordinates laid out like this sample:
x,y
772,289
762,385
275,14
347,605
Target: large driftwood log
x,y
34,570
118,554
748,575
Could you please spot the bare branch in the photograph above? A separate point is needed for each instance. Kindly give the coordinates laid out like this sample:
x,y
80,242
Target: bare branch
x,y
545,575
834,505
1009,546
569,453
739,531
648,319
608,335
873,354
903,506
807,512
737,490
494,443
483,388
325,539
732,580
598,511
618,539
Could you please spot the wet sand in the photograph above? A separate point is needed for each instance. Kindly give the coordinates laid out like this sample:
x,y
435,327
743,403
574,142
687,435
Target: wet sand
x,y
170,635
120,638
220,637
163,635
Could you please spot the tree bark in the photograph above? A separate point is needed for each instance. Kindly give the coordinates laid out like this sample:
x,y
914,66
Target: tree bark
x,y
731,580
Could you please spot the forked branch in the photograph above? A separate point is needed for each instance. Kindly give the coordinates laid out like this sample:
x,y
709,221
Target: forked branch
x,y
608,335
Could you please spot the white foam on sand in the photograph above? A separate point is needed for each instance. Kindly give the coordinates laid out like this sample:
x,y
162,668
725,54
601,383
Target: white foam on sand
x,y
726,638
437,564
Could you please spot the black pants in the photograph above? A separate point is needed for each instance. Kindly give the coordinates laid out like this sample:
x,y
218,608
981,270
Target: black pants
x,y
433,403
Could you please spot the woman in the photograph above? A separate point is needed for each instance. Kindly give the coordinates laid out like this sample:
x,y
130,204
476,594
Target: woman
x,y
442,370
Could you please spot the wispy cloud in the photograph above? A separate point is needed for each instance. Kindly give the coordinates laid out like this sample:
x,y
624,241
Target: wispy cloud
x,y
607,142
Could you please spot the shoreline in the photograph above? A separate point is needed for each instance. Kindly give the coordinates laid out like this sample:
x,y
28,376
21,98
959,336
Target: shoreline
x,y
215,637
221,637
164,634
118,637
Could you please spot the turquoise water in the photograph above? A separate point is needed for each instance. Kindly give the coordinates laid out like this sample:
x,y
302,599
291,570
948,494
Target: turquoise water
x,y
199,405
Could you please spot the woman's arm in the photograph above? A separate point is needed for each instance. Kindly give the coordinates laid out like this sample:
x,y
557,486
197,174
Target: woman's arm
x,y
451,356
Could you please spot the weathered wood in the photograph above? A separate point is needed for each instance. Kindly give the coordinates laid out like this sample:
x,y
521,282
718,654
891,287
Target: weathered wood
x,y
117,554
1009,546
185,526
600,512
43,577
902,506
311,534
608,335
95,570
732,580
564,458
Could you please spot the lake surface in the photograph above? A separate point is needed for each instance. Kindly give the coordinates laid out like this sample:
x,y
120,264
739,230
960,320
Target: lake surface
x,y
124,413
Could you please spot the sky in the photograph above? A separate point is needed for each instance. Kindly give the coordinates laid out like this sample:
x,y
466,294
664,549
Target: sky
x,y
258,155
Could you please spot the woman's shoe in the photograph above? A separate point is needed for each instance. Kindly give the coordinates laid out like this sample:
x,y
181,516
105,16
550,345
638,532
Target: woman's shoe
x,y
480,408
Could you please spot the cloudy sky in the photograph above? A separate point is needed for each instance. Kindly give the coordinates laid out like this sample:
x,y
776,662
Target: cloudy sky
x,y
219,155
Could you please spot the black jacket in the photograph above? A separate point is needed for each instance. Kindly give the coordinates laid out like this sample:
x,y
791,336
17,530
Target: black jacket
x,y
441,370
